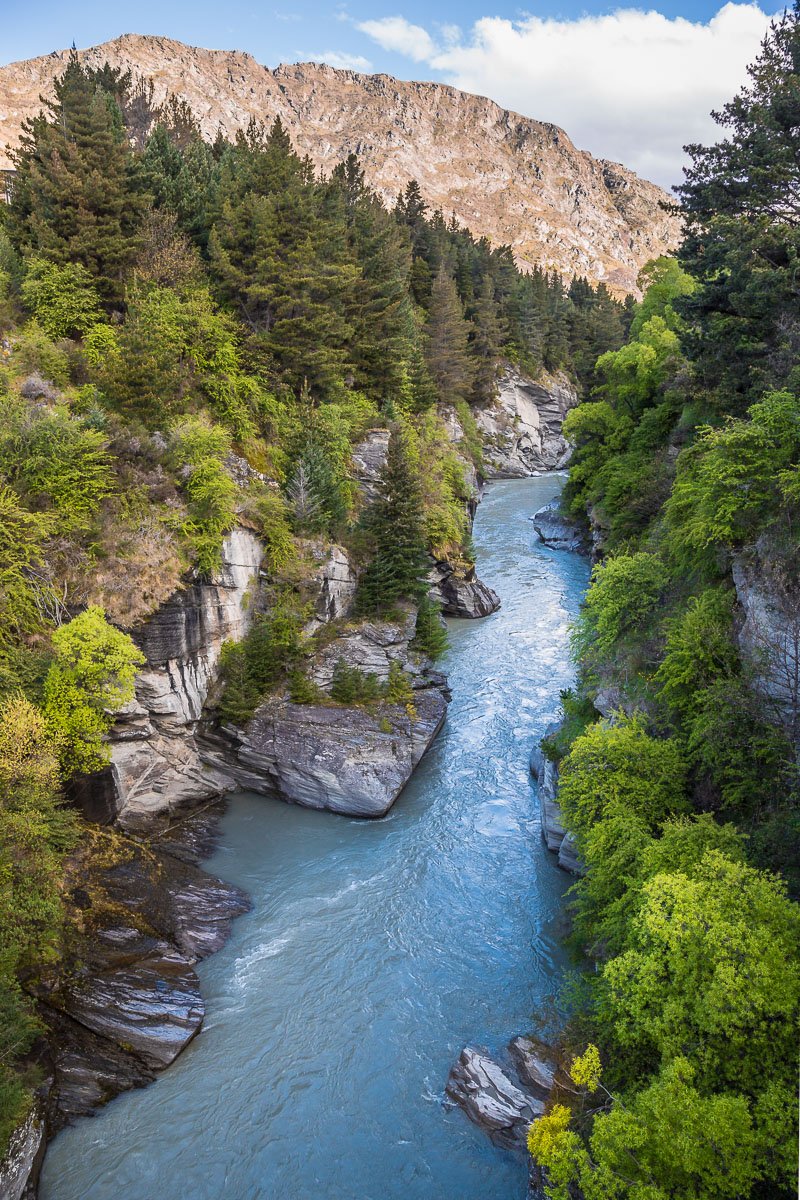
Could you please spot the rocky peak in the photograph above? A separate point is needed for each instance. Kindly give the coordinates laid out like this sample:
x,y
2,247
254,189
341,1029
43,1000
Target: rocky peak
x,y
507,177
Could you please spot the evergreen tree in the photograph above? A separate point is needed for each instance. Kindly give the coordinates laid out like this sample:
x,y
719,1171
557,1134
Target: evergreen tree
x,y
741,207
487,341
395,523
75,198
448,349
282,256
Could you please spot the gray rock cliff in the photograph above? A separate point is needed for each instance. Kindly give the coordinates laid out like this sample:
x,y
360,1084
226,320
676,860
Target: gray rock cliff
x,y
522,427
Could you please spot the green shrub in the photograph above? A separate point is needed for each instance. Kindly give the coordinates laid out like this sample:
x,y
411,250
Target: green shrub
x,y
91,677
62,298
578,712
620,767
199,451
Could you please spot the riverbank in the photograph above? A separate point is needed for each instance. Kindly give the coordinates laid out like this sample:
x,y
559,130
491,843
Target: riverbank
x,y
374,950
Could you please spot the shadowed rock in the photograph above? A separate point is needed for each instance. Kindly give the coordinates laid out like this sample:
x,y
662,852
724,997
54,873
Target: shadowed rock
x,y
556,529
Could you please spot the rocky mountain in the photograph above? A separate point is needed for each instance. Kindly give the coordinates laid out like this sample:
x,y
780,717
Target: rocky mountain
x,y
512,179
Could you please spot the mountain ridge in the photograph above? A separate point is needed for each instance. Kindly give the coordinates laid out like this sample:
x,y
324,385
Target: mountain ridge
x,y
510,178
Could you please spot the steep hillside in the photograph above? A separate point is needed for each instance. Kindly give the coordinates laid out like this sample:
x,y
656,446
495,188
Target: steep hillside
x,y
514,180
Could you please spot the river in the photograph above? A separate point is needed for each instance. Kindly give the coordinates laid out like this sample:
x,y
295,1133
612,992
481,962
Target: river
x,y
375,949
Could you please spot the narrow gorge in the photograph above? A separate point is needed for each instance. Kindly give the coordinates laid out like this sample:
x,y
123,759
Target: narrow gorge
x,y
343,997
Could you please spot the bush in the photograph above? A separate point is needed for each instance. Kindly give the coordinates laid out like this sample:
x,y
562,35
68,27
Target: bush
x,y
621,768
92,676
63,299
199,450
270,655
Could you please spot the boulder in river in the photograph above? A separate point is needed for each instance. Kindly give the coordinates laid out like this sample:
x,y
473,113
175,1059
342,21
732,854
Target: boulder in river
x,y
556,529
491,1099
462,595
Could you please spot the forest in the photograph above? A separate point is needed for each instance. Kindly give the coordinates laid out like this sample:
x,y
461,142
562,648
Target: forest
x,y
683,796
195,335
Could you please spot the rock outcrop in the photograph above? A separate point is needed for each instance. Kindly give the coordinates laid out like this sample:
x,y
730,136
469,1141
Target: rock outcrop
x,y
557,530
345,759
19,1170
491,1099
522,427
516,181
155,763
768,631
462,595
554,834
504,1100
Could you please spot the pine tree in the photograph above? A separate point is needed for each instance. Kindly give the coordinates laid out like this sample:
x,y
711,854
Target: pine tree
x,y
75,197
280,250
395,524
448,333
485,346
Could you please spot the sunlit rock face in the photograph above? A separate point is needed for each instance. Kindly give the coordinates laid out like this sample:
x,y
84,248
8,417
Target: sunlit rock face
x,y
522,426
516,181
155,764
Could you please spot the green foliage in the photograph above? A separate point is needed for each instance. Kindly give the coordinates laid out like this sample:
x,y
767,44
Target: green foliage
x,y
91,677
351,685
270,655
623,599
736,480
742,237
35,833
700,651
63,299
200,449
577,713
74,199
620,767
63,465
394,522
430,635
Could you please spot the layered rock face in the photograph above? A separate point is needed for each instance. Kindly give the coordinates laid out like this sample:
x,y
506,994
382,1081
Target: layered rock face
x,y
19,1170
554,834
516,181
522,427
155,763
130,1002
503,1099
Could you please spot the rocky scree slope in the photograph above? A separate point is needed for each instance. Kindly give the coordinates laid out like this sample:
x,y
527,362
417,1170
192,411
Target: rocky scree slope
x,y
509,178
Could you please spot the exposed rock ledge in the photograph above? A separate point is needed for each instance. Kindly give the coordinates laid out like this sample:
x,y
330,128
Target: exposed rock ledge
x,y
129,1000
522,427
504,1100
348,760
554,834
557,530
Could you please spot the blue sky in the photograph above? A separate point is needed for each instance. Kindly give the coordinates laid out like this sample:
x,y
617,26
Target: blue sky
x,y
631,84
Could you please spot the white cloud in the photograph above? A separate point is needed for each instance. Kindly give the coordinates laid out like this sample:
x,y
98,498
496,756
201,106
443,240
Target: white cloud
x,y
629,85
399,35
345,62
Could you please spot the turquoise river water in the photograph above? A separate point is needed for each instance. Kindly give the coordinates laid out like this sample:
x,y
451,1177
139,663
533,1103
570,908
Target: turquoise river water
x,y
375,949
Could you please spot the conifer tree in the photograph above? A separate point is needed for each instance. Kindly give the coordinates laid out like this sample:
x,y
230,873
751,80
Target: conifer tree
x,y
75,197
448,350
395,522
488,339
